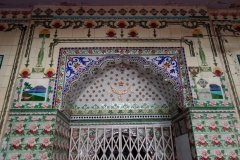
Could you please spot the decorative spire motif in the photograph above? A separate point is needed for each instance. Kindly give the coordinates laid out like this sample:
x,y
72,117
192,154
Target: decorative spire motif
x,y
198,33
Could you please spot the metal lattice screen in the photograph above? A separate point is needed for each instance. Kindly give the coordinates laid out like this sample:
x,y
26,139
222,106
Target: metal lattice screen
x,y
121,143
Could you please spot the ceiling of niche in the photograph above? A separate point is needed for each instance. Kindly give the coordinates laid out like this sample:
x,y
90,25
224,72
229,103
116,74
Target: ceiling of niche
x,y
208,3
145,88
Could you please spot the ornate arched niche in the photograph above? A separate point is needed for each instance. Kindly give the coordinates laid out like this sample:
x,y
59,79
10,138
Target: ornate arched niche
x,y
121,81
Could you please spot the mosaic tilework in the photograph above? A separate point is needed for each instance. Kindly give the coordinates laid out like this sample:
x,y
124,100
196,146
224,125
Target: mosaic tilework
x,y
69,51
216,135
61,139
19,102
204,96
121,12
28,136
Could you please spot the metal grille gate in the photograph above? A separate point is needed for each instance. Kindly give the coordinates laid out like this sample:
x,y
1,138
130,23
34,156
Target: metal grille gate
x,y
142,142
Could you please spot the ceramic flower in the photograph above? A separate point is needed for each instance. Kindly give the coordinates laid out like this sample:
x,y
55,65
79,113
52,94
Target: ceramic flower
x,y
21,119
213,103
43,156
197,116
225,103
201,140
212,125
16,143
232,155
25,73
44,105
13,156
215,139
47,128
210,116
33,128
48,118
45,142
19,128
229,140
223,116
34,118
204,155
111,33
18,105
225,125
199,126
121,24
28,156
31,143
218,154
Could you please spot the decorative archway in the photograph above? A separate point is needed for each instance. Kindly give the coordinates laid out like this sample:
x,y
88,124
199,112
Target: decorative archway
x,y
75,64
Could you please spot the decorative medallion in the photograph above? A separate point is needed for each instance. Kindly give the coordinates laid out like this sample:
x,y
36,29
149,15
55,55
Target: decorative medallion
x,y
193,71
111,33
183,12
69,12
154,12
122,11
37,11
133,12
57,24
192,12
174,12
112,11
101,11
49,73
121,92
48,11
59,11
92,11
80,12
143,11
25,73
132,33
202,12
202,82
217,72
121,24
164,12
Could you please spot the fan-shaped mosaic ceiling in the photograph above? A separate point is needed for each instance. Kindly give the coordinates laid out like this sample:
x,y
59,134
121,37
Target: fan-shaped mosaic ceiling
x,y
141,87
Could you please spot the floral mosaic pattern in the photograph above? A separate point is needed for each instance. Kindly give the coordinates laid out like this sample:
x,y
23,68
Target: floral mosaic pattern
x,y
18,104
61,139
28,137
125,109
216,135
